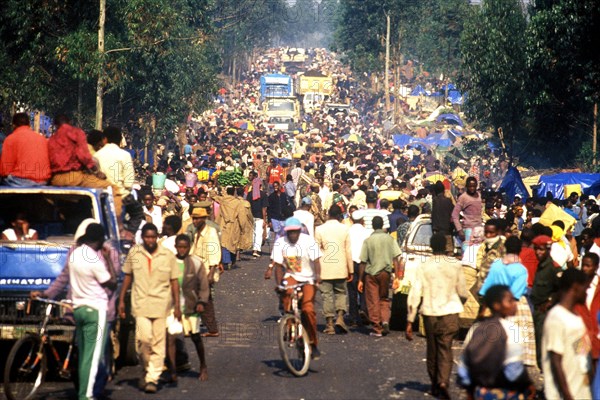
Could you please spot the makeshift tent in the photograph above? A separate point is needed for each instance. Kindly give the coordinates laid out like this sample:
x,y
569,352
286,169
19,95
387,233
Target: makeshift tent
x,y
450,118
455,97
435,139
456,132
448,136
403,140
450,86
594,190
531,181
417,91
555,184
513,185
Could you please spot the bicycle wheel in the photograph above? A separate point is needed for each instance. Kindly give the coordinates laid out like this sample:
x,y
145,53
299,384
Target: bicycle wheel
x,y
294,345
25,368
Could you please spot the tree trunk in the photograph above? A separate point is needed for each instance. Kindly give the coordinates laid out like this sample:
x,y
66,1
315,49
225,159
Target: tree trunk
x,y
594,135
79,101
100,84
387,68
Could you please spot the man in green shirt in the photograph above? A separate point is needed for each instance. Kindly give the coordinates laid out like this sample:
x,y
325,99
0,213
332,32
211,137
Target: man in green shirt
x,y
378,258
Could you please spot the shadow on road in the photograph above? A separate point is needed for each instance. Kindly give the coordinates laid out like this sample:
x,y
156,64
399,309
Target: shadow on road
x,y
282,371
412,385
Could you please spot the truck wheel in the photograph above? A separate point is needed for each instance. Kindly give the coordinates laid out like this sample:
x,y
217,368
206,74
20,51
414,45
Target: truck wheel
x,y
127,354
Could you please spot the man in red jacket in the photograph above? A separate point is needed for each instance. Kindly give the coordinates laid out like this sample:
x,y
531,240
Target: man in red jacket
x,y
71,161
24,159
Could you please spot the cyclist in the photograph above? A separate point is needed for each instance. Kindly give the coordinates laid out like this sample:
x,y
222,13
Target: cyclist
x,y
296,259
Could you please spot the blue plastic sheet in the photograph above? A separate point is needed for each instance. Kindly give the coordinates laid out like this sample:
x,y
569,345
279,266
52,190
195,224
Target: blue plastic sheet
x,y
555,184
512,184
452,118
417,91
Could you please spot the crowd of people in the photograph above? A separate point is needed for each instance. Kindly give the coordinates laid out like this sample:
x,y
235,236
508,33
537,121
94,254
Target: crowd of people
x,y
334,213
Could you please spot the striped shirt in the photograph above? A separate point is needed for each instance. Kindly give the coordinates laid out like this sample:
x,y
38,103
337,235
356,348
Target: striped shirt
x,y
369,213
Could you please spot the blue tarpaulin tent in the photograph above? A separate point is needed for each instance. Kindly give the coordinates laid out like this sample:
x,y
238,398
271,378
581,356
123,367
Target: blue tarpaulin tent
x,y
455,97
555,184
450,118
403,140
417,91
456,132
448,136
435,139
512,184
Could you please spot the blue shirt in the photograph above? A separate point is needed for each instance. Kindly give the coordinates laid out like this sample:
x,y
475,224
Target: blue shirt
x,y
512,275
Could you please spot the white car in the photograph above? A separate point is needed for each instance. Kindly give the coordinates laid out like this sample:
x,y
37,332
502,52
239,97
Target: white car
x,y
416,251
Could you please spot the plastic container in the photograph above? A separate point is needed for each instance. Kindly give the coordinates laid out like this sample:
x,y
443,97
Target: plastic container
x,y
191,179
158,181
203,175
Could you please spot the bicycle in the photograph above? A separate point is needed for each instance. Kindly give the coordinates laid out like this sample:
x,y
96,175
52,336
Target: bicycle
x,y
294,344
27,362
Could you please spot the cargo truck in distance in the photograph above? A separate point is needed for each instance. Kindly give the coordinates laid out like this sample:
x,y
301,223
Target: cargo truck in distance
x,y
275,85
313,90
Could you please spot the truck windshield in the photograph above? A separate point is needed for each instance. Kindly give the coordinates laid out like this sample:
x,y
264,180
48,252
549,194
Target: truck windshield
x,y
55,216
281,106
277,91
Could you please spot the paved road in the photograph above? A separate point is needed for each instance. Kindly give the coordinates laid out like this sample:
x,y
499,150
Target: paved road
x,y
244,362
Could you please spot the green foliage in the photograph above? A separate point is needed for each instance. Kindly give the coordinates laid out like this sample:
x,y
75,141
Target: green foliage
x,y
160,59
564,72
585,158
428,31
494,66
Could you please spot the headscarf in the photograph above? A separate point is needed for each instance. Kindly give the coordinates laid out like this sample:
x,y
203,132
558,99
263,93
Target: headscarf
x,y
557,234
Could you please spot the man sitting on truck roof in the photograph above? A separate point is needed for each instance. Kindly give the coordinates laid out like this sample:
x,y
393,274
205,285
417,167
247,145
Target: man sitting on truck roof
x,y
71,161
24,160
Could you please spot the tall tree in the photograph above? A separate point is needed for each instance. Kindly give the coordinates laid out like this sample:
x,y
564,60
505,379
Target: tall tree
x,y
565,73
494,66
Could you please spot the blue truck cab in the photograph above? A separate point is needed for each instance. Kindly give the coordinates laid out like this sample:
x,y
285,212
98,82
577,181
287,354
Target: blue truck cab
x,y
55,213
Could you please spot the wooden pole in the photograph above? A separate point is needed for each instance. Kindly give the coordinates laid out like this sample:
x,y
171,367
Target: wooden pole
x,y
387,67
594,134
100,84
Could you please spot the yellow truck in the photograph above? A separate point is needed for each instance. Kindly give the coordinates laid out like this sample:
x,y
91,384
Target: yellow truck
x,y
313,89
314,82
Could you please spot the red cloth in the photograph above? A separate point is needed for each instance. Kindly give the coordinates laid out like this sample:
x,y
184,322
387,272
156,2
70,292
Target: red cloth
x,y
68,150
590,319
274,174
25,155
530,261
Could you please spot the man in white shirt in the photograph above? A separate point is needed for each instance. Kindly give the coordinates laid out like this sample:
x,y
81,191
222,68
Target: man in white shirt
x,y
371,211
154,211
296,258
305,216
566,345
441,290
358,234
296,173
89,275
337,268
115,162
